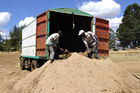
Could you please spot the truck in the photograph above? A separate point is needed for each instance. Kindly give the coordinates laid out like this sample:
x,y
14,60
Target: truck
x,y
34,51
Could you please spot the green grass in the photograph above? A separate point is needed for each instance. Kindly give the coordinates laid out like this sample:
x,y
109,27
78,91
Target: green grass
x,y
138,75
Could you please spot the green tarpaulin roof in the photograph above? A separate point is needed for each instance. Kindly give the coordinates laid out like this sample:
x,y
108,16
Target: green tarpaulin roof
x,y
71,11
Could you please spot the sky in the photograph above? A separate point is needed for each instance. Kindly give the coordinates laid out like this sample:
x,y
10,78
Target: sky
x,y
22,12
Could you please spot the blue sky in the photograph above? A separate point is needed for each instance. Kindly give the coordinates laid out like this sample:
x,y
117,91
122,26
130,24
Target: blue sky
x,y
19,12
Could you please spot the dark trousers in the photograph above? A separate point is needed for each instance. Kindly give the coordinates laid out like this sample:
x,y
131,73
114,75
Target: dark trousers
x,y
93,50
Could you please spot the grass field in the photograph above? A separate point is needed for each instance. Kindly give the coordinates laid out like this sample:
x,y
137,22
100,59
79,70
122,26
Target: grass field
x,y
125,56
8,53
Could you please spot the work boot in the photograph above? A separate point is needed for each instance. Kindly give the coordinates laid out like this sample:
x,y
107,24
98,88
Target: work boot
x,y
89,55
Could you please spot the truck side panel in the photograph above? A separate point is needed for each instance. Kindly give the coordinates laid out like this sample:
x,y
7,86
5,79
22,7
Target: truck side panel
x,y
28,51
29,30
29,40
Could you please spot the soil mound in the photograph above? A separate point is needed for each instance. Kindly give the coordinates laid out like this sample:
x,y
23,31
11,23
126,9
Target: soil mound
x,y
79,74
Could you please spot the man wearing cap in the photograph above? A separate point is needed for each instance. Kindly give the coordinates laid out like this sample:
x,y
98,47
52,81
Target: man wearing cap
x,y
91,41
52,44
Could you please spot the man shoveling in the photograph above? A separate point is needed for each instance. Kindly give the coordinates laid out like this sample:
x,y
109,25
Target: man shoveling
x,y
91,41
52,44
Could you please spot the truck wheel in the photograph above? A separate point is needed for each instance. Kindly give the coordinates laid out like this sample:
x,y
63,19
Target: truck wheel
x,y
22,61
34,65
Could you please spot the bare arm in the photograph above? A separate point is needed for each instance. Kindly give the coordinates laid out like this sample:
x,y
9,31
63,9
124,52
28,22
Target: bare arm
x,y
86,44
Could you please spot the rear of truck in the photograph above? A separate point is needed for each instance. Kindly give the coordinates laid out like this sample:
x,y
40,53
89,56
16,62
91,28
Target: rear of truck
x,y
34,51
29,58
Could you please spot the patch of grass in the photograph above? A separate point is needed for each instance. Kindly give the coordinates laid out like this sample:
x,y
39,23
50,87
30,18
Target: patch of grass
x,y
9,53
138,74
103,57
125,56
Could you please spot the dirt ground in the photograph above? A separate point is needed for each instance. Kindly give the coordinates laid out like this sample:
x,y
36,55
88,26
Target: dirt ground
x,y
10,71
128,59
78,74
132,67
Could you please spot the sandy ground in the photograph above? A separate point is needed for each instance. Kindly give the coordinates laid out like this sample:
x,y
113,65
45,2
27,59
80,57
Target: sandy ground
x,y
10,72
132,67
79,74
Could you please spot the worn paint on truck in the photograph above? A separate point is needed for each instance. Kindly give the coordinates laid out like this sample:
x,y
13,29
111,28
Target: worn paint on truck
x,y
41,33
102,31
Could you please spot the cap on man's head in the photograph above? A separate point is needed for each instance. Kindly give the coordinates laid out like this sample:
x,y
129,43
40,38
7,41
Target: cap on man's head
x,y
60,32
81,32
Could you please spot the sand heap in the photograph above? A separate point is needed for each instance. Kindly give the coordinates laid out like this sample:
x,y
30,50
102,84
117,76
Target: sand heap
x,y
79,74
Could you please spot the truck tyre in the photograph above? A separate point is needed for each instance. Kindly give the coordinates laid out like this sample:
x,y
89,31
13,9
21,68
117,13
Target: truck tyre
x,y
22,61
34,65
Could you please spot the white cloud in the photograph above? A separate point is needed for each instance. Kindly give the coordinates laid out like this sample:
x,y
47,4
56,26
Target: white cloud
x,y
3,32
4,18
103,8
26,21
114,22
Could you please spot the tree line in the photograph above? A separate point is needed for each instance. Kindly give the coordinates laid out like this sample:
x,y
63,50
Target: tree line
x,y
13,41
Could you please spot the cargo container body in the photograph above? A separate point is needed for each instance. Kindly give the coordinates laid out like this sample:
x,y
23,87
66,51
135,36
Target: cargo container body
x,y
69,21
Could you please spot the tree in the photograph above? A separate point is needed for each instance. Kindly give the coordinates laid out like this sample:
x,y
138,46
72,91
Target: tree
x,y
128,32
16,37
6,45
112,38
1,45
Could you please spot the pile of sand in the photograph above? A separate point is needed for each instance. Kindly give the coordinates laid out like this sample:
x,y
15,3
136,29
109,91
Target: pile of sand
x,y
79,74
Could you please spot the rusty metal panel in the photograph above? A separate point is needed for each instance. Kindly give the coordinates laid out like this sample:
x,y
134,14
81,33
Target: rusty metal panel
x,y
41,34
41,42
102,32
103,52
41,52
41,28
103,44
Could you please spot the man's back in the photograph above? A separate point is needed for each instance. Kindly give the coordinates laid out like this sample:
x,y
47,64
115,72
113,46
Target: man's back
x,y
90,38
55,37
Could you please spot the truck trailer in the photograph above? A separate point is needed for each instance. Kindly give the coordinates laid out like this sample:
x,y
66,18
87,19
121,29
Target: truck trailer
x,y
34,51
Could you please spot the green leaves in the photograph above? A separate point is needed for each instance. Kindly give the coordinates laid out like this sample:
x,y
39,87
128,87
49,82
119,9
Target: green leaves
x,y
16,37
112,38
129,31
12,44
